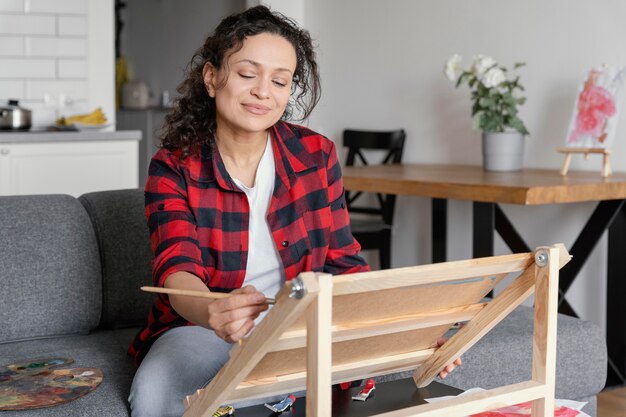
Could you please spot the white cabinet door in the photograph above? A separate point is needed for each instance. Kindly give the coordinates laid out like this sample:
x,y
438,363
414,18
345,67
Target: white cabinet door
x,y
72,168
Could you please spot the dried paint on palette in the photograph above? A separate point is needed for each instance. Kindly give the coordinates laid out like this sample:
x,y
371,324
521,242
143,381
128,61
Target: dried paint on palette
x,y
43,383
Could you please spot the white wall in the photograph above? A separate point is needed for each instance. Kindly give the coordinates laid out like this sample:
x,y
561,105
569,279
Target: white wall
x,y
160,37
56,57
101,58
293,9
381,66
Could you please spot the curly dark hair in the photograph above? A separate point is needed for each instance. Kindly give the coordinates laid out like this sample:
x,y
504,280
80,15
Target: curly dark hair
x,y
192,121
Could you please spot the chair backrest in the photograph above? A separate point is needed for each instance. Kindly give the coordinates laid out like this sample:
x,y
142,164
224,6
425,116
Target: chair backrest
x,y
359,141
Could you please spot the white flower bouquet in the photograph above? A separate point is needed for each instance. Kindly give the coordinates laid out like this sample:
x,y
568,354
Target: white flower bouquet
x,y
494,97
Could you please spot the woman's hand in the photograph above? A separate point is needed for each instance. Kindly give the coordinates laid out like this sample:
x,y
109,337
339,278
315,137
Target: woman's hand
x,y
232,318
450,367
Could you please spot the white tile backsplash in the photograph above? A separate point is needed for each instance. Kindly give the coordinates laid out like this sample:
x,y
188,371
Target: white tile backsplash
x,y
11,46
41,114
11,5
57,6
73,90
44,55
72,26
77,107
56,47
14,24
46,115
27,68
72,68
11,89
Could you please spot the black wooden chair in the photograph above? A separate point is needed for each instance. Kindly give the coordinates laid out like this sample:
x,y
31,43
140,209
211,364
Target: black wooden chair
x,y
371,225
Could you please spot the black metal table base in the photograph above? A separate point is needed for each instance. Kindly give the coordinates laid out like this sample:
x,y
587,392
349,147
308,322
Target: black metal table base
x,y
609,215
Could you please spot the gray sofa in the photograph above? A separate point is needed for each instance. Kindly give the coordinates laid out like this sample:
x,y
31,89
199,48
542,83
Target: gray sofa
x,y
70,270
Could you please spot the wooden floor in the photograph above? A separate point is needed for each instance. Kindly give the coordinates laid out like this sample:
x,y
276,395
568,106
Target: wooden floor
x,y
612,403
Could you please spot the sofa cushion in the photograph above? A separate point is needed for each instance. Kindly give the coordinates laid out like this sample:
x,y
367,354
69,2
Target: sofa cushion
x,y
105,350
49,268
125,255
504,356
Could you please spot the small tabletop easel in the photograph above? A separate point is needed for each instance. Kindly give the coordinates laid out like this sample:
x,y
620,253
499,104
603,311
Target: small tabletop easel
x,y
325,330
606,163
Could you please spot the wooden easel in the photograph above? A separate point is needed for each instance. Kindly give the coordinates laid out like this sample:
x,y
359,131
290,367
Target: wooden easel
x,y
326,330
606,163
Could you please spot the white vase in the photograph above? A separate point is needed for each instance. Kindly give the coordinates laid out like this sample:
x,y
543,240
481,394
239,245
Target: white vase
x,y
503,151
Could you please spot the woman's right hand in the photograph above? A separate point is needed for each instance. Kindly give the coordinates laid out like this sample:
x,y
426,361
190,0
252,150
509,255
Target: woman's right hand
x,y
233,318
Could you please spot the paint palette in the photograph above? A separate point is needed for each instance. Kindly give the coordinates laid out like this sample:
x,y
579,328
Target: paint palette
x,y
41,383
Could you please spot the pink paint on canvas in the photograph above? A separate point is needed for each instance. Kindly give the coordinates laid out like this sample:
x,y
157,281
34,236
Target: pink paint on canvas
x,y
524,409
597,107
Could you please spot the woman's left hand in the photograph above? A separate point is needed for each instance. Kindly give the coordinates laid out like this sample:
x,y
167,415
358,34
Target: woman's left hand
x,y
450,367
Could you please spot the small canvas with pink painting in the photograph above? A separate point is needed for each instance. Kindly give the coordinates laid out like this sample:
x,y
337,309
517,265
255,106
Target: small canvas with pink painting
x,y
597,108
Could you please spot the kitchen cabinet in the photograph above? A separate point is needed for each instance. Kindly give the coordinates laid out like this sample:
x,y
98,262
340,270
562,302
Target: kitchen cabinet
x,y
71,167
149,122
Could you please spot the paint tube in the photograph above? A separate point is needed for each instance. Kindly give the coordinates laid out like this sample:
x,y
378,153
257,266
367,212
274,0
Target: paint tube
x,y
224,410
281,406
366,391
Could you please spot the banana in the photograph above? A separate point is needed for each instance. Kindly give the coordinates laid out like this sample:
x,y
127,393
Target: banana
x,y
96,117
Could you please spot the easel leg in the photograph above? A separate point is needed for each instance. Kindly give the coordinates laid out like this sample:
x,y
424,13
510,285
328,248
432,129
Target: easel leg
x,y
319,351
568,159
606,166
544,343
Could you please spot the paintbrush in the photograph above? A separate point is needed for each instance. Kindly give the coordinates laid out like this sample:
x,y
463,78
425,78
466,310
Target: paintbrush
x,y
200,294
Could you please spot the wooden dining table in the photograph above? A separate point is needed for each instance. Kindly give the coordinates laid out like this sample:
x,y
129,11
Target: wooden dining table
x,y
529,187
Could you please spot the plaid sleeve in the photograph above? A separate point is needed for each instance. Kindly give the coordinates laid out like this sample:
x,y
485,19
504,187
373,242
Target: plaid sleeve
x,y
173,231
343,251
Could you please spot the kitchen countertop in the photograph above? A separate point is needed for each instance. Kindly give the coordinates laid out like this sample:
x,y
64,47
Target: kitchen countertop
x,y
35,136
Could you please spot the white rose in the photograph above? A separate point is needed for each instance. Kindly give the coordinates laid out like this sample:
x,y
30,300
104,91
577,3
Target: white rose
x,y
494,77
453,67
482,64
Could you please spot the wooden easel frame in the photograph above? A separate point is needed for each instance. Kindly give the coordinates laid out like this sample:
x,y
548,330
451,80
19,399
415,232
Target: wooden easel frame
x,y
606,163
302,326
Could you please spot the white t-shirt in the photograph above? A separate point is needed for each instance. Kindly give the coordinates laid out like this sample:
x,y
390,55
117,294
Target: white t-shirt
x,y
264,267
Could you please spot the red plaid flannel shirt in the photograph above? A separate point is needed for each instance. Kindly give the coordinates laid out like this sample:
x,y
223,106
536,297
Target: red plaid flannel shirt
x,y
198,220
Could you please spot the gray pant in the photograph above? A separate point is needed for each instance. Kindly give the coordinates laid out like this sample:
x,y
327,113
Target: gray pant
x,y
181,361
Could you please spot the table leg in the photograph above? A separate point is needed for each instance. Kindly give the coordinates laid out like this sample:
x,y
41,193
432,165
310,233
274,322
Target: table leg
x,y
609,215
600,220
508,233
483,228
615,306
439,213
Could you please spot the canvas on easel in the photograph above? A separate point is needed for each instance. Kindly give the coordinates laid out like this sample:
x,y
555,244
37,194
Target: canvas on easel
x,y
595,116
325,330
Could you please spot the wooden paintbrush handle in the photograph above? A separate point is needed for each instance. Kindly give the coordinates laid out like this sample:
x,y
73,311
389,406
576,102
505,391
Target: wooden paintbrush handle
x,y
190,293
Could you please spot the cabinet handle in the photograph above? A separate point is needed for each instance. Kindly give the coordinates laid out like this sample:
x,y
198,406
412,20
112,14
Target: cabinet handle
x,y
4,151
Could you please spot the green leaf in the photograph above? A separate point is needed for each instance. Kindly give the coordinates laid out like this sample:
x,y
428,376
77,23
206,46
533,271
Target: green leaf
x,y
509,100
476,121
460,80
491,122
475,108
488,102
511,110
517,124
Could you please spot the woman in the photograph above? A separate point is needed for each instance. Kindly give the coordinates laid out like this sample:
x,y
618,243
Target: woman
x,y
237,201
